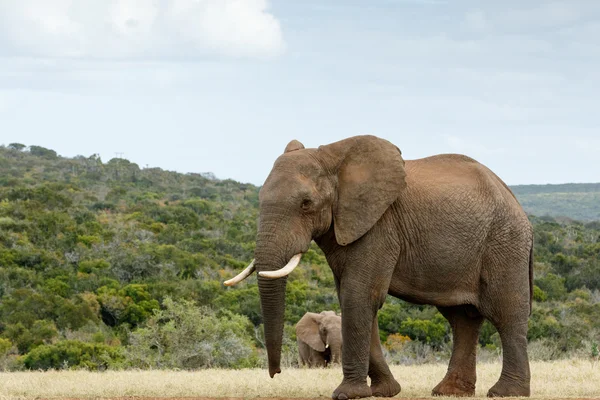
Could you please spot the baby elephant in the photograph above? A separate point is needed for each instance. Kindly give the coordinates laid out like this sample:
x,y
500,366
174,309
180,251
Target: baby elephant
x,y
319,339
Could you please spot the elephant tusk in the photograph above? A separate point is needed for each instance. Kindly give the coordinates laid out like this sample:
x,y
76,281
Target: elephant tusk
x,y
285,271
241,276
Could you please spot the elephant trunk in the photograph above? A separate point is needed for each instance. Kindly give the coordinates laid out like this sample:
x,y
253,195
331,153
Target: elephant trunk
x,y
272,302
270,256
335,346
276,246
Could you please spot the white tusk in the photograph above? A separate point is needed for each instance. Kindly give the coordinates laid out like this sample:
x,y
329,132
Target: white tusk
x,y
293,263
327,346
241,276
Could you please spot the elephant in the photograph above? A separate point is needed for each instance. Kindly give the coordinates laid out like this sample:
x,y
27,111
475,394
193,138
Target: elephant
x,y
319,339
443,230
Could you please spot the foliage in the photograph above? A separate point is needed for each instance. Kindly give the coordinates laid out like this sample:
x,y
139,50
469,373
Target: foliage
x,y
5,346
184,336
92,252
578,201
73,354
430,331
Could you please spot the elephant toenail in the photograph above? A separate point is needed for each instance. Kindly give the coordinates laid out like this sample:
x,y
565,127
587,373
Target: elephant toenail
x,y
342,396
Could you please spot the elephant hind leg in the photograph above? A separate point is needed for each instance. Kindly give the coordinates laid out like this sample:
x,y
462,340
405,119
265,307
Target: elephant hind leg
x,y
515,377
461,376
507,307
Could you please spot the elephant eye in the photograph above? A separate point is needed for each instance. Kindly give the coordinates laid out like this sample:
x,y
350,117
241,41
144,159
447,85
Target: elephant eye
x,y
306,204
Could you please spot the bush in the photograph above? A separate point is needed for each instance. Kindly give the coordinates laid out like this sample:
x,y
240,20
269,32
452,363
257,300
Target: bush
x,y
73,354
396,342
41,332
553,285
432,332
9,359
5,346
130,305
189,337
242,301
416,352
539,294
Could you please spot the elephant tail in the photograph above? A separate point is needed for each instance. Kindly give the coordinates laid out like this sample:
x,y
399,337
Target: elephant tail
x,y
531,278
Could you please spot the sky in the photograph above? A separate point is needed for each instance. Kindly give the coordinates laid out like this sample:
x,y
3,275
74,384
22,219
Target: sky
x,y
222,86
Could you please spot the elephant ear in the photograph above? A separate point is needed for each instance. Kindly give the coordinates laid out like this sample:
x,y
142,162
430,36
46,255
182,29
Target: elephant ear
x,y
293,146
371,176
307,330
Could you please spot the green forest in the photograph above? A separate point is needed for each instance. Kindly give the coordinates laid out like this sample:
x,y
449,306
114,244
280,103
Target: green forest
x,y
578,201
106,265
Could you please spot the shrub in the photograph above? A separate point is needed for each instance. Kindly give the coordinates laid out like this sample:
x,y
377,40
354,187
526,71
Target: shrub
x,y
396,342
130,305
553,285
41,332
5,346
539,294
243,301
9,360
73,354
432,332
189,337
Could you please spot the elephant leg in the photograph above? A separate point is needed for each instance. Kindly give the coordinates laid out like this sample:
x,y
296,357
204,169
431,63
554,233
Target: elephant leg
x,y
461,376
303,354
383,383
507,305
317,359
515,377
359,302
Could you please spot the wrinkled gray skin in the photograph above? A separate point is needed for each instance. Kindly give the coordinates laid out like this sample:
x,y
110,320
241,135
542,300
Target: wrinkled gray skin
x,y
442,230
319,339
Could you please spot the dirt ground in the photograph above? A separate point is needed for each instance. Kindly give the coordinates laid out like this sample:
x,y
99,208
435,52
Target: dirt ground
x,y
293,398
564,379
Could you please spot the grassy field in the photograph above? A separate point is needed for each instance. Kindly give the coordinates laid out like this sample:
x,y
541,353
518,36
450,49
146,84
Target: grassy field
x,y
561,379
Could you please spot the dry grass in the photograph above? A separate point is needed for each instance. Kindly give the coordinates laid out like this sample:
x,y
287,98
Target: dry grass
x,y
560,379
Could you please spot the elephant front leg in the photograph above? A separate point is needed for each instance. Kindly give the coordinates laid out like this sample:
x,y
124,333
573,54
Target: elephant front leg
x,y
383,383
357,320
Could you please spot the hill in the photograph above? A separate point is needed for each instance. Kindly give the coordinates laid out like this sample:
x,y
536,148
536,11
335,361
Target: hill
x,y
578,201
106,265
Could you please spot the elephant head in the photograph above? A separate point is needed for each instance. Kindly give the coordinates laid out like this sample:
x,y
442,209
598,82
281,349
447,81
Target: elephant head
x,y
345,186
323,333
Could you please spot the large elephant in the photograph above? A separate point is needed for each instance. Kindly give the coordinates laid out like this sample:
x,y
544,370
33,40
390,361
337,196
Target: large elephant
x,y
319,338
442,230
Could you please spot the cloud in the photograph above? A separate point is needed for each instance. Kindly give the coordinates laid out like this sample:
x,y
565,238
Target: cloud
x,y
531,16
132,29
544,15
476,20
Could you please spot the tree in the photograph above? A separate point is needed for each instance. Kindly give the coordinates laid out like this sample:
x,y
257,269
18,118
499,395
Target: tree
x,y
43,152
16,146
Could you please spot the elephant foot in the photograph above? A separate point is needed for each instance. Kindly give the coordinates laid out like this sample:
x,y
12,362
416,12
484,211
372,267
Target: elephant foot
x,y
454,385
506,388
351,390
385,388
